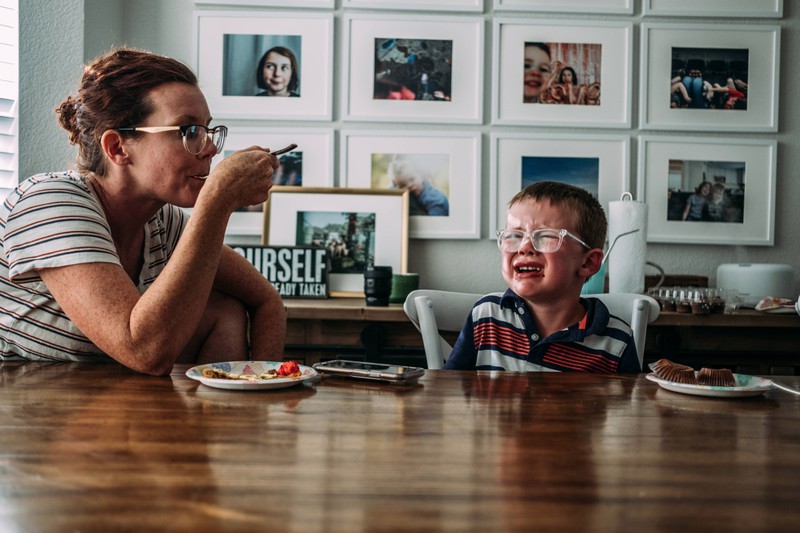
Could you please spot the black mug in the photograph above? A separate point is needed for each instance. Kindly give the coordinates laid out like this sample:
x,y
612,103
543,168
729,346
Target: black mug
x,y
378,285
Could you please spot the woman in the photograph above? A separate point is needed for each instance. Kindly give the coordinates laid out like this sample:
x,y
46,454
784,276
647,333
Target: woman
x,y
103,263
277,73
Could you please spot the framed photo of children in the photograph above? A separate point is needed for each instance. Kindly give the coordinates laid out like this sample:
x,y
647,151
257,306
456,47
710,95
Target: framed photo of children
x,y
597,163
258,65
620,7
418,5
562,73
358,227
440,170
708,191
714,8
309,165
413,69
698,77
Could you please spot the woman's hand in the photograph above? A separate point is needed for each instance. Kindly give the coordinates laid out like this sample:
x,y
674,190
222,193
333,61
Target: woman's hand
x,y
243,178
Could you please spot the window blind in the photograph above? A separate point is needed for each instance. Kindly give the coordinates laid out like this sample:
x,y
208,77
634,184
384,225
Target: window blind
x,y
9,92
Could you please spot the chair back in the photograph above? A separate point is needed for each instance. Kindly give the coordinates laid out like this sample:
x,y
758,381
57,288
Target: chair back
x,y
433,312
636,309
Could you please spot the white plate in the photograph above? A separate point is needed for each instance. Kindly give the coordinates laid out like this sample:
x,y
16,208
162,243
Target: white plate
x,y
745,386
249,367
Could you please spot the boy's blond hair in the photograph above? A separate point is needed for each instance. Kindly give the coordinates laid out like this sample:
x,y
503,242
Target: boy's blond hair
x,y
590,219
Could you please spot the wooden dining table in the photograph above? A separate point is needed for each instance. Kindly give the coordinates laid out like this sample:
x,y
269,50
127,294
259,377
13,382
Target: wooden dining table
x,y
101,448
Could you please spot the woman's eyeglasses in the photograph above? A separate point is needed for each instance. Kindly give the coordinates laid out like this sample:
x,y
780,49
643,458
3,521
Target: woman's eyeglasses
x,y
194,136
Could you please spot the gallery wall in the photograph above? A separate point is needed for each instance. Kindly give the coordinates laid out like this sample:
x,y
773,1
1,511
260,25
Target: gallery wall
x,y
456,263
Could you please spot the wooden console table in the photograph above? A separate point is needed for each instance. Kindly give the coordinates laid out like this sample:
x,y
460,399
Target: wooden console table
x,y
748,341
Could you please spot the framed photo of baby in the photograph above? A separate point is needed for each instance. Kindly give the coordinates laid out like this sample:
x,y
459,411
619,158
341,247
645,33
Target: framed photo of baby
x,y
706,191
710,77
440,170
542,75
242,57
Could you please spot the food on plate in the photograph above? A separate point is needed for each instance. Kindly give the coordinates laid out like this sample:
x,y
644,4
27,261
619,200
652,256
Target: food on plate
x,y
718,377
666,369
678,373
288,369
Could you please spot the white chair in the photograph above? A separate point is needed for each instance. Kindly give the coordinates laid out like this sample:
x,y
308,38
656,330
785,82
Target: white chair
x,y
433,312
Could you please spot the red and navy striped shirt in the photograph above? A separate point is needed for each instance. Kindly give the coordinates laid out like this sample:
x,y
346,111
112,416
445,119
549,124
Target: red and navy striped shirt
x,y
500,334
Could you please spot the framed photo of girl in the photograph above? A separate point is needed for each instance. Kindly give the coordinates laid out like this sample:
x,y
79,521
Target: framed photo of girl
x,y
708,191
562,73
418,5
710,77
714,8
260,64
308,165
619,7
440,170
413,68
597,163
359,227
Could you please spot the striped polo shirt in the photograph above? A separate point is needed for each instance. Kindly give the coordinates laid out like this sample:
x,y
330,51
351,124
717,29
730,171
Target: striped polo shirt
x,y
54,220
500,334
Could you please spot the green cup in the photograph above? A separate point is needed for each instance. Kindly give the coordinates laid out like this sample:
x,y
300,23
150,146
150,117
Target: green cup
x,y
402,285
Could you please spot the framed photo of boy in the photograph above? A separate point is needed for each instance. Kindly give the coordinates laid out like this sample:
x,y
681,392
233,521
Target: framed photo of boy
x,y
258,64
619,7
440,170
308,165
265,3
698,77
708,191
714,8
562,73
597,163
418,5
413,69
358,227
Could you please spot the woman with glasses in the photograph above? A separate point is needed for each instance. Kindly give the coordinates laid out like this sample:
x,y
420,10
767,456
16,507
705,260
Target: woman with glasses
x,y
102,262
551,245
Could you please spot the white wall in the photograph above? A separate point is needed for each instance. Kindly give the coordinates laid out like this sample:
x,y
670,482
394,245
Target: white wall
x,y
165,26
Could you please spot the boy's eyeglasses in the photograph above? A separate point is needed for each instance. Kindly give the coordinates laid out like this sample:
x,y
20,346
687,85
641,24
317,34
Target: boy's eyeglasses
x,y
194,135
546,241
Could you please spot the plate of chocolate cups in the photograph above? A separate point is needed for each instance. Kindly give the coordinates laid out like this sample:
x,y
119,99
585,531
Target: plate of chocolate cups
x,y
715,382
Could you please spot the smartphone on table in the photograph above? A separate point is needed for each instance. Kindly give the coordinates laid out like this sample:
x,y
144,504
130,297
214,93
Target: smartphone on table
x,y
398,374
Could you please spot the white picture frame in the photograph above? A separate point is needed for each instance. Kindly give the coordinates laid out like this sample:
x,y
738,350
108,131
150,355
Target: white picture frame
x,y
602,166
316,147
231,85
618,7
584,41
758,44
450,161
750,165
388,246
269,3
714,8
456,77
417,5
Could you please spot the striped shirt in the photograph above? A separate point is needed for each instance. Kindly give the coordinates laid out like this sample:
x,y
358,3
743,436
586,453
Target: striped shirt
x,y
500,334
54,220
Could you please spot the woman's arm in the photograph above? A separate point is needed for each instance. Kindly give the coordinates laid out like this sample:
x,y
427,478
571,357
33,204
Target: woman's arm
x,y
239,279
147,332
